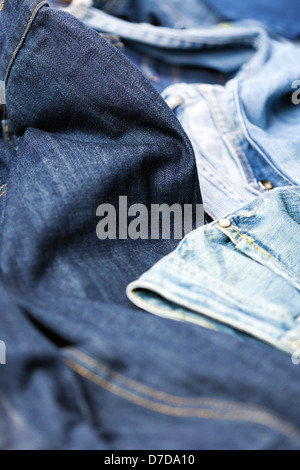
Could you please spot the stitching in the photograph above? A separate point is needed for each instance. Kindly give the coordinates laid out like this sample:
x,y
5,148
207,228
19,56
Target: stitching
x,y
253,416
231,234
2,5
222,181
7,132
226,133
247,135
3,186
250,241
181,316
157,394
191,272
2,194
23,36
245,237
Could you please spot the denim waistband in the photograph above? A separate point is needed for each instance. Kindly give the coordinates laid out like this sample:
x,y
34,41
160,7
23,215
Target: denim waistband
x,y
242,276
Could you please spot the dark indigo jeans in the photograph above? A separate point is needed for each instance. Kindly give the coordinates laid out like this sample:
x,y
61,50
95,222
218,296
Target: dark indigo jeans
x,y
85,369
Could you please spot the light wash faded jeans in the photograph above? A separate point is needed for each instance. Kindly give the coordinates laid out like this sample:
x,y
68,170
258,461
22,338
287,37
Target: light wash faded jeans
x,y
240,274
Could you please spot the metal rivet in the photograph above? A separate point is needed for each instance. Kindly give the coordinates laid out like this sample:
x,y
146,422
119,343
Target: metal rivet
x,y
224,223
266,185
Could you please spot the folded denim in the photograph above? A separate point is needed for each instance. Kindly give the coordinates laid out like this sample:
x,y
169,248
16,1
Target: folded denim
x,y
245,134
169,13
84,368
225,49
160,74
243,274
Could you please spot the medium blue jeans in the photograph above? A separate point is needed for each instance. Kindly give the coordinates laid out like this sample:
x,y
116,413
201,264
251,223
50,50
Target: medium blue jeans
x,y
279,16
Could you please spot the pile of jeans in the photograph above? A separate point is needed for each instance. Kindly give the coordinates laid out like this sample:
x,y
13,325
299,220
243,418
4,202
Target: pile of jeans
x,y
115,334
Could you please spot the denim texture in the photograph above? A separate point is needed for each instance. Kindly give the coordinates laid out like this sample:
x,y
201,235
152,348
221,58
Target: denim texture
x,y
161,74
86,369
246,132
278,16
224,49
246,276
169,13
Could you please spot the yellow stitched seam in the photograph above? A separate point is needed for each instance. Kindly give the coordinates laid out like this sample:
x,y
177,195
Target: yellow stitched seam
x,y
12,57
254,417
4,192
250,241
2,5
7,132
162,396
3,186
157,394
228,231
245,237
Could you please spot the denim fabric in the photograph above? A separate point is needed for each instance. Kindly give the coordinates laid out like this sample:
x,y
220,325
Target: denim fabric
x,y
225,49
246,132
245,276
169,13
158,71
86,369
160,74
279,16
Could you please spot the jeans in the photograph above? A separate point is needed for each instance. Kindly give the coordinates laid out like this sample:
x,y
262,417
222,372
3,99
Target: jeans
x,y
245,134
224,49
161,74
168,13
244,274
85,369
278,16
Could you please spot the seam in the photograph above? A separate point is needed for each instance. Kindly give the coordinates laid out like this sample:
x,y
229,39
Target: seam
x,y
226,133
172,313
157,394
2,5
192,272
3,186
23,36
2,194
249,138
231,234
250,241
213,176
245,237
256,417
7,132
